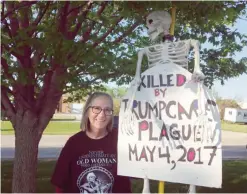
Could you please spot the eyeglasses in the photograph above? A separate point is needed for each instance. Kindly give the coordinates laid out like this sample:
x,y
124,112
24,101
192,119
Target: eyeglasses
x,y
98,109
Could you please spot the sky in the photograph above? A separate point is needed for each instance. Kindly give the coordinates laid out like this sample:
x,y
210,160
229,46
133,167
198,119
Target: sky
x,y
235,88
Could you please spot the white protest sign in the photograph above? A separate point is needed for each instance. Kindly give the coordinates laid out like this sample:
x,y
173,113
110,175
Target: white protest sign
x,y
163,137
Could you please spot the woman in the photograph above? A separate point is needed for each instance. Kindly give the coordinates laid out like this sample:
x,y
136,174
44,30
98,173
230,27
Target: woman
x,y
88,161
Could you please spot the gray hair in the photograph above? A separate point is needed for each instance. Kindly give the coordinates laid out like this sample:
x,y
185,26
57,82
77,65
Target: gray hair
x,y
85,123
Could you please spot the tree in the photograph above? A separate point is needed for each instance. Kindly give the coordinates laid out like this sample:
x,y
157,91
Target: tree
x,y
117,93
51,48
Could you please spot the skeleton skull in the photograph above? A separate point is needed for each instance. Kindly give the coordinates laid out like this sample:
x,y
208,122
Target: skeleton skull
x,y
158,22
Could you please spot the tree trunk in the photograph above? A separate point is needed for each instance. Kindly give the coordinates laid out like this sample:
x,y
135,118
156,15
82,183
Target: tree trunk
x,y
25,161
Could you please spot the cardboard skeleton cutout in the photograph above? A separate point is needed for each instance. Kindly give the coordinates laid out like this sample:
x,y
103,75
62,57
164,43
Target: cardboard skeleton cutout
x,y
164,57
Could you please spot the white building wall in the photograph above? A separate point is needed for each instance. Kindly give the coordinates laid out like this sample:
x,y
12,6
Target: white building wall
x,y
76,108
230,114
241,115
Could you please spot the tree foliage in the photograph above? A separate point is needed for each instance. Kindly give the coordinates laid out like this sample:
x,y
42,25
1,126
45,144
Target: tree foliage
x,y
82,44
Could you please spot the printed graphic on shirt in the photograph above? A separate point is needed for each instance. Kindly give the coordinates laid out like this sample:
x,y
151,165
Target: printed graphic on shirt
x,y
95,180
97,158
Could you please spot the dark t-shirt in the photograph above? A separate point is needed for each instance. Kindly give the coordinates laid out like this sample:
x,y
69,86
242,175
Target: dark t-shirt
x,y
88,165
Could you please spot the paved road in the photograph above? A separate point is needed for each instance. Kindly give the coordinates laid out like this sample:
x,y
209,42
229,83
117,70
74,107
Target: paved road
x,y
233,145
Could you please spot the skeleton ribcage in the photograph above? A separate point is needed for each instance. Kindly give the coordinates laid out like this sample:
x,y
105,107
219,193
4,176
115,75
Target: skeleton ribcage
x,y
176,52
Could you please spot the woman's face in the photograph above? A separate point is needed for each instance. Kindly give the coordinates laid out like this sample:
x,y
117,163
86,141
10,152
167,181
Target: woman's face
x,y
100,113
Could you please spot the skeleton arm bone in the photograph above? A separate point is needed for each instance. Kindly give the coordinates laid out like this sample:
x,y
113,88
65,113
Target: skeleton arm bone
x,y
134,86
196,45
138,66
197,74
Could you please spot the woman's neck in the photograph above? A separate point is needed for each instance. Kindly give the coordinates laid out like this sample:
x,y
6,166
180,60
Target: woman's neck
x,y
96,134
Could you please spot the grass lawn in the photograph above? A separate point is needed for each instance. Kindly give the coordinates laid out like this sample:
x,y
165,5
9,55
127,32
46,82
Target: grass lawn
x,y
53,128
234,179
240,127
69,127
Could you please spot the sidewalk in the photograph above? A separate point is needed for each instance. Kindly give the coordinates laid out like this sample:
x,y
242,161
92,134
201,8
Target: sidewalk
x,y
228,139
233,146
234,138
